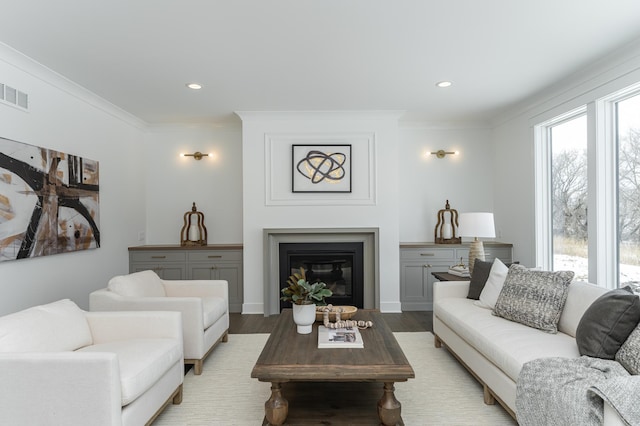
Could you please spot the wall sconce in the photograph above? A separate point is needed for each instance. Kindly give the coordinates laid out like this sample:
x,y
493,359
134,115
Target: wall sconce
x,y
441,153
196,155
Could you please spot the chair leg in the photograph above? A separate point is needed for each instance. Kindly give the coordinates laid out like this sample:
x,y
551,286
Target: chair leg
x,y
197,367
177,398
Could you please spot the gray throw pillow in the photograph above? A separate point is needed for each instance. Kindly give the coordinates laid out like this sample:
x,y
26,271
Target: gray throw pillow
x,y
629,353
607,323
534,298
479,278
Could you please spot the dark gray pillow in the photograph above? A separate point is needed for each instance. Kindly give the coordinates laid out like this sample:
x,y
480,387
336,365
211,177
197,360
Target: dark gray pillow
x,y
481,270
607,323
534,298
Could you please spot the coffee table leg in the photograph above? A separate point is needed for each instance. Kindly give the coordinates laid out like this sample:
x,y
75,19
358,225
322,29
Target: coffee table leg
x,y
389,407
276,408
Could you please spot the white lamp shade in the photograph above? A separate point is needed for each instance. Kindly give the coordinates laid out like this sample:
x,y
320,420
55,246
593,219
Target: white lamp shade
x,y
477,225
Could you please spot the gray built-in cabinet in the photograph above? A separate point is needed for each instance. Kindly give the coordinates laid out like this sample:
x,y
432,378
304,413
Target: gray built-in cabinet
x,y
419,260
211,262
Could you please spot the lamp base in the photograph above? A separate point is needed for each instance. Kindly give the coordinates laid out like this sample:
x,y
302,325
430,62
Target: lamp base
x,y
476,251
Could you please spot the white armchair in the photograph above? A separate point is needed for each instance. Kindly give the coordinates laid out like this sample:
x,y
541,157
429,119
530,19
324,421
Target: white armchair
x,y
62,366
204,305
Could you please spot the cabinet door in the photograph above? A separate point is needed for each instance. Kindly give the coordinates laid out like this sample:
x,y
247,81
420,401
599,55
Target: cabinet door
x,y
413,290
166,271
416,284
202,271
231,272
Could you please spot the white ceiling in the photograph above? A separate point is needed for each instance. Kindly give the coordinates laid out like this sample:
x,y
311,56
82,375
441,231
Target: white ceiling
x,y
289,55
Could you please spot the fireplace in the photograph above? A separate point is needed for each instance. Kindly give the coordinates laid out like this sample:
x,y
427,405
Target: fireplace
x,y
367,238
339,265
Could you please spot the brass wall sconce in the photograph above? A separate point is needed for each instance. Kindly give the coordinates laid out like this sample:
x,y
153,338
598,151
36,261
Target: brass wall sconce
x,y
193,233
441,153
196,155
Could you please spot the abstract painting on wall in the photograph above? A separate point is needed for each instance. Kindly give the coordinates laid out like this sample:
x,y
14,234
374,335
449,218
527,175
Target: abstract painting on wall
x,y
321,168
49,202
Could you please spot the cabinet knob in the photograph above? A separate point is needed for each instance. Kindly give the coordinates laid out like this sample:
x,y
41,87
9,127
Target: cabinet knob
x,y
427,254
158,257
214,257
214,267
427,265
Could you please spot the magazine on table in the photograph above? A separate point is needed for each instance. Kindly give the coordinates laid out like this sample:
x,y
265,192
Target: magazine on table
x,y
339,338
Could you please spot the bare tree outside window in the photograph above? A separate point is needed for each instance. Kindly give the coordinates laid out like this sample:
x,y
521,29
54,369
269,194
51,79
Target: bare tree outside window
x,y
569,197
628,130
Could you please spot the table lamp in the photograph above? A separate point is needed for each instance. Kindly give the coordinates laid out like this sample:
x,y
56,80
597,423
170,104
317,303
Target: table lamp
x,y
476,225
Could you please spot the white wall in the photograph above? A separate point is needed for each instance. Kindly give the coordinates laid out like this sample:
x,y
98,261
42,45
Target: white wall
x,y
426,182
64,117
513,141
213,183
257,215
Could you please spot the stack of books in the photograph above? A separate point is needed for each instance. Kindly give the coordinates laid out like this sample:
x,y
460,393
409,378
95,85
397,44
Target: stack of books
x,y
459,271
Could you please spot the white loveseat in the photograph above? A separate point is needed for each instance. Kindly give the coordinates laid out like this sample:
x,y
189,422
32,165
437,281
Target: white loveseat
x,y
204,305
494,349
61,365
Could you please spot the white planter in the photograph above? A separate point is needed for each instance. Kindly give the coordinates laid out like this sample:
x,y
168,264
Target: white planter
x,y
304,316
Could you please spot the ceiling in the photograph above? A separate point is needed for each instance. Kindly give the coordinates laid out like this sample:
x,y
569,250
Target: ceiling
x,y
290,55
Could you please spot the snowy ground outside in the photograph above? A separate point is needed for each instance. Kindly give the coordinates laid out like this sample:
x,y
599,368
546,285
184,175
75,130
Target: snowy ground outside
x,y
629,274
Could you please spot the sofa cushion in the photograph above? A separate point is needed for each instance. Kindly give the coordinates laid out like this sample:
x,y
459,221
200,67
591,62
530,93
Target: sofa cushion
x,y
629,353
506,344
212,309
138,284
142,362
581,296
481,270
493,287
607,323
55,327
534,298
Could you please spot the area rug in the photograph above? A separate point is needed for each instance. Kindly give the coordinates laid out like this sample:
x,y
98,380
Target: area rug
x,y
443,392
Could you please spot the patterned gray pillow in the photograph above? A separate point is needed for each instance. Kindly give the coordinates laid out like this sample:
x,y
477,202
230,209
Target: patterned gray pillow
x,y
534,298
629,353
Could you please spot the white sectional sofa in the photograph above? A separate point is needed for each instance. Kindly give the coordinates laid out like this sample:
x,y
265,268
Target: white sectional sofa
x,y
494,349
61,366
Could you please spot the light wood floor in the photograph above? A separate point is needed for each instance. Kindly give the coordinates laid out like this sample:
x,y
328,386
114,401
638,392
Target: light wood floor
x,y
413,321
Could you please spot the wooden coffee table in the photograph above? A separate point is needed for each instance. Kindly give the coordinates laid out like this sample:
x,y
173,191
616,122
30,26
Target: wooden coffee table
x,y
289,357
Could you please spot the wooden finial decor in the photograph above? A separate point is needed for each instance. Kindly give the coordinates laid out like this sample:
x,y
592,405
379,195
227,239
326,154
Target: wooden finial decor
x,y
447,226
193,233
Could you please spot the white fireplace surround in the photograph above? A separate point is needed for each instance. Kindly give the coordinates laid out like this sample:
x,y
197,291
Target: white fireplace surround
x,y
274,236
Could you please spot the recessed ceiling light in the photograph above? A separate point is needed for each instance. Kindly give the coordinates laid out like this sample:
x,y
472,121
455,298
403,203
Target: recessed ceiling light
x,y
194,86
444,84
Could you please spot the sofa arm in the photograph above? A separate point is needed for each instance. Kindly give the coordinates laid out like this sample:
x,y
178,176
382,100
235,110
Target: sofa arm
x,y
197,288
60,388
445,289
111,326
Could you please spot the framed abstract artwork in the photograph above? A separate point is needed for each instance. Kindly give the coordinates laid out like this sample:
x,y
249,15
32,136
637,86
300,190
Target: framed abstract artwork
x,y
321,168
49,202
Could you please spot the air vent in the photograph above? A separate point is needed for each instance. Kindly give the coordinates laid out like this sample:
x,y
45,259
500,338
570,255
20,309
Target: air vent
x,y
13,97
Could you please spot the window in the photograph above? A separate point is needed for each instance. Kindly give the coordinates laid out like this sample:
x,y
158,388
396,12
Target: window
x,y
568,146
588,190
628,138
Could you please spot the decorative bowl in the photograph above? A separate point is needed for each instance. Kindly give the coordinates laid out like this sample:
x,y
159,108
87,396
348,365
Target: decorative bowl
x,y
347,312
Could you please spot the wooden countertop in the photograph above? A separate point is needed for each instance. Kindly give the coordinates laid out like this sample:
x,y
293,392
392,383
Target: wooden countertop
x,y
487,244
179,247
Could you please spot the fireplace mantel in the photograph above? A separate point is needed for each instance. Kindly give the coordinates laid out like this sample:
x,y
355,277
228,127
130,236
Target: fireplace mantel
x,y
274,236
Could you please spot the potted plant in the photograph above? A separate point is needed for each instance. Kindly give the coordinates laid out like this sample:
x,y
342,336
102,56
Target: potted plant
x,y
304,297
